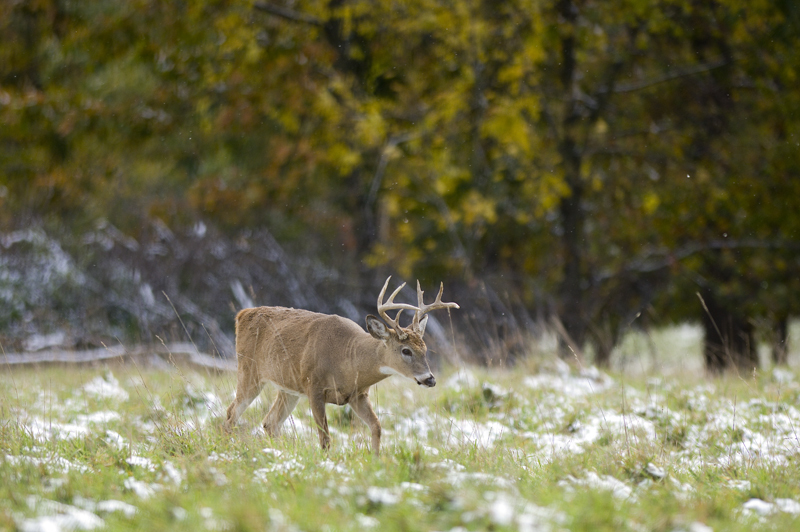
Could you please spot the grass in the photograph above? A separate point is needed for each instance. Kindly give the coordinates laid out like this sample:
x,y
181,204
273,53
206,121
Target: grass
x,y
548,447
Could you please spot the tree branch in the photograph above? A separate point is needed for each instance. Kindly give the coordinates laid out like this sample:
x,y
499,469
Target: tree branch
x,y
689,71
662,259
288,14
372,196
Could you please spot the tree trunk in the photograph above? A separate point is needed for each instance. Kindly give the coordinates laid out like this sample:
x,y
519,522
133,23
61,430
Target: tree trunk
x,y
602,354
571,206
729,339
780,347
571,291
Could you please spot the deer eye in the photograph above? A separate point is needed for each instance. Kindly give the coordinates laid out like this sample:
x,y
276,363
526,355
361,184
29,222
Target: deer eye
x,y
406,351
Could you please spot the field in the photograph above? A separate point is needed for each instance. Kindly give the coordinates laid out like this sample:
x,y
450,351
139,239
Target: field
x,y
547,446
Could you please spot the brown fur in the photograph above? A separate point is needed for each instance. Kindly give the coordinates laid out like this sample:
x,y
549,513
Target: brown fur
x,y
328,358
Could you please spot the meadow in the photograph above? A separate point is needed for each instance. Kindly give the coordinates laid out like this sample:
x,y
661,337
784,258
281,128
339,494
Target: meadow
x,y
545,446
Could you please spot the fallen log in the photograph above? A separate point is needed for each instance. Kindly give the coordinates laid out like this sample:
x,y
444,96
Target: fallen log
x,y
175,353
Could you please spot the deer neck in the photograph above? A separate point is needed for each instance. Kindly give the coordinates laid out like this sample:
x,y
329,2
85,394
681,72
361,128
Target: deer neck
x,y
373,354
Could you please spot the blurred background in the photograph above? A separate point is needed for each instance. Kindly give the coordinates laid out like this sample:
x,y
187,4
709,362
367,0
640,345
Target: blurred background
x,y
576,172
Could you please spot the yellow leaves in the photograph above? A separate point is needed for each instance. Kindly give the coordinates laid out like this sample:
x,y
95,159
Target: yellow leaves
x,y
391,204
512,75
398,251
377,256
449,175
476,208
545,191
449,104
596,182
343,158
447,181
235,34
650,203
202,106
507,124
522,65
253,53
326,107
510,130
371,127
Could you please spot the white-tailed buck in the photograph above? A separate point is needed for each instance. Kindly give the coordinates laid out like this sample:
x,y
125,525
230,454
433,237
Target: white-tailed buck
x,y
328,358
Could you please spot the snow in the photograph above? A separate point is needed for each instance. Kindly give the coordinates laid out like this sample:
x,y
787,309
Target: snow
x,y
764,508
654,471
741,485
142,489
288,467
468,432
592,480
107,506
140,461
54,516
385,496
501,510
106,387
101,417
37,342
333,467
463,379
553,415
366,521
759,507
172,474
589,381
53,463
272,452
788,506
44,430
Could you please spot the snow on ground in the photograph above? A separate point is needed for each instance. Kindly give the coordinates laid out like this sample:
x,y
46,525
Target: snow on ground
x,y
592,480
553,415
53,515
588,381
55,464
106,387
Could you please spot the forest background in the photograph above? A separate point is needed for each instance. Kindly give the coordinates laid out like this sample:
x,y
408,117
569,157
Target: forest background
x,y
578,166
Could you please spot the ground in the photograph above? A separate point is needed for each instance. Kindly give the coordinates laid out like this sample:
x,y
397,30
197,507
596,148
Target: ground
x,y
543,446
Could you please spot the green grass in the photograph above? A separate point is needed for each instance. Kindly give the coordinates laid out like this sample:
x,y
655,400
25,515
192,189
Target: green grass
x,y
495,452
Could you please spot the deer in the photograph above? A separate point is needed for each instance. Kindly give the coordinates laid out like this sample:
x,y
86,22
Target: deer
x,y
328,359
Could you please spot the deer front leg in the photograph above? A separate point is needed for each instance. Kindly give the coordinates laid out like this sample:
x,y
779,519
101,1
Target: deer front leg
x,y
363,409
317,400
278,412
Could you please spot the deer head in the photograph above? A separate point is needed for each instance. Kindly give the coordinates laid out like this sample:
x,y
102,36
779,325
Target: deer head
x,y
405,352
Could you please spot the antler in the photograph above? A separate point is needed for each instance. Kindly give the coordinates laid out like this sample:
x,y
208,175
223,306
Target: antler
x,y
424,309
391,305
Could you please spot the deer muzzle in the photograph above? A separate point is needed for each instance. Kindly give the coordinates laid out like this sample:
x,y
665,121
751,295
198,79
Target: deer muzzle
x,y
426,380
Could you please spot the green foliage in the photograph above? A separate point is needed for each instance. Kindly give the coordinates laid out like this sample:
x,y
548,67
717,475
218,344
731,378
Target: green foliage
x,y
602,153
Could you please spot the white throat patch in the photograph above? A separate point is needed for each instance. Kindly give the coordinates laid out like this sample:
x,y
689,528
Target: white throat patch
x,y
386,370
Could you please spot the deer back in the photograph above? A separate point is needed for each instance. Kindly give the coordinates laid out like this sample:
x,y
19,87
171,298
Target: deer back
x,y
293,347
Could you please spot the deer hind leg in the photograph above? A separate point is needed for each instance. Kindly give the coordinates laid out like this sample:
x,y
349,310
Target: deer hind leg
x,y
278,412
363,409
247,389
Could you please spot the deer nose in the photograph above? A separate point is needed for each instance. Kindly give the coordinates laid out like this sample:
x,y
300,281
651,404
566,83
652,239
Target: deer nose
x,y
430,382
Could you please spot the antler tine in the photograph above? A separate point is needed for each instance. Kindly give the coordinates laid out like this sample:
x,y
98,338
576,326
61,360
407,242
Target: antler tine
x,y
437,304
391,305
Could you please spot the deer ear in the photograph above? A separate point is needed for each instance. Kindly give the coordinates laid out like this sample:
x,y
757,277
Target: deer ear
x,y
377,328
421,327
